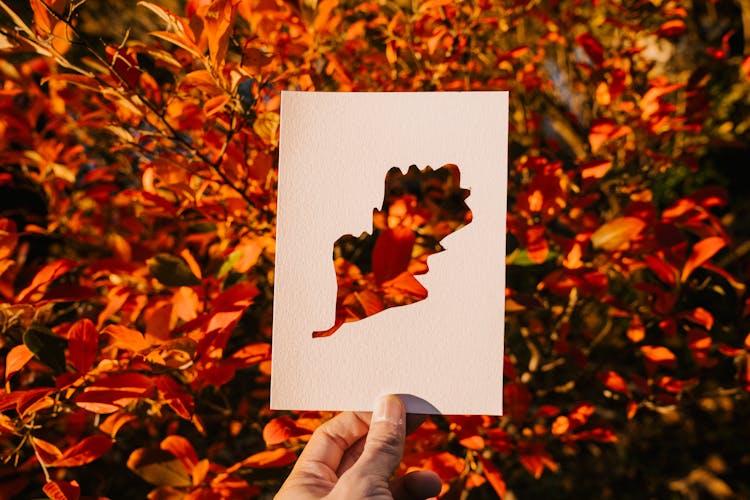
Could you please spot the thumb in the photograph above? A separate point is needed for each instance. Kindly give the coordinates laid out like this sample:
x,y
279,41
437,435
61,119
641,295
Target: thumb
x,y
384,445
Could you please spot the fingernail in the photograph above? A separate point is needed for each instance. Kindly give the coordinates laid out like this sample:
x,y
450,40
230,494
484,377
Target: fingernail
x,y
389,409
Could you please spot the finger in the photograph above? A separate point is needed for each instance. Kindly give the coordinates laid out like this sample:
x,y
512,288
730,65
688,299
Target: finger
x,y
351,456
384,445
329,442
416,485
413,421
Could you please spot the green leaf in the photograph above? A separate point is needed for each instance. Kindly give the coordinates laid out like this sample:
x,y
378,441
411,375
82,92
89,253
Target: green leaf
x,y
520,257
171,270
47,347
229,263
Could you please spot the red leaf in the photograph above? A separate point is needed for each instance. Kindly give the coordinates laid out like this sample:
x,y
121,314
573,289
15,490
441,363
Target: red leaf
x,y
281,429
593,48
62,490
616,233
535,458
17,359
663,270
445,465
493,476
23,399
516,400
88,450
392,253
83,345
230,304
702,252
175,396
600,435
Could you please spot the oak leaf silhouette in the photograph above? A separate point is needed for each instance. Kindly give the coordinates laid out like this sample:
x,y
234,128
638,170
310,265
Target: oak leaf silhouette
x,y
376,271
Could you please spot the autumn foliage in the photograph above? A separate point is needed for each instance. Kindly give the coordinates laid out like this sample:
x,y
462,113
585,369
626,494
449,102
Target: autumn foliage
x,y
137,209
377,271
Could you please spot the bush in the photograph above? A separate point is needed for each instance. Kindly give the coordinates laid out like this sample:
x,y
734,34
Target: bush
x,y
138,203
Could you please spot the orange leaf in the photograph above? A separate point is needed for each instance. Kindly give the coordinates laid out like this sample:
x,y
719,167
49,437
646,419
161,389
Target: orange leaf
x,y
535,458
182,450
281,429
46,451
252,354
17,359
613,381
615,233
596,169
41,17
43,278
113,423
747,342
659,355
126,338
560,426
62,35
83,345
405,285
62,490
87,450
216,104
218,22
280,457
702,252
580,414
493,476
672,28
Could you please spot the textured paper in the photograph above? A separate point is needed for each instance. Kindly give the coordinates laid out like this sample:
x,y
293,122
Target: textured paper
x,y
443,354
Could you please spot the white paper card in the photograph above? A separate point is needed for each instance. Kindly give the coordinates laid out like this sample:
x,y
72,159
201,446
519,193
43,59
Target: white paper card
x,y
444,354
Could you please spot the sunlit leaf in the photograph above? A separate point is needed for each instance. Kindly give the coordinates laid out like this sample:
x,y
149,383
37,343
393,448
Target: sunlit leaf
x,y
700,253
159,467
659,355
280,457
62,490
16,359
614,234
83,452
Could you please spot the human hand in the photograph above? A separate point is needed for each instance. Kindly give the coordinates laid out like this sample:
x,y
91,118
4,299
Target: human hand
x,y
353,455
